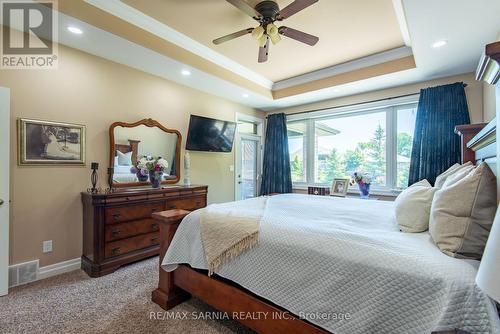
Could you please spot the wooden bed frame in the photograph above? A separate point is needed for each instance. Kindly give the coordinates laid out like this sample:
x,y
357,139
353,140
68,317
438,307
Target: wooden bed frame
x,y
177,286
132,147
478,145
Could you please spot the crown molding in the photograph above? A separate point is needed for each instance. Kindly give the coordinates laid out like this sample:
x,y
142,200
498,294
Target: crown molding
x,y
401,17
358,64
147,23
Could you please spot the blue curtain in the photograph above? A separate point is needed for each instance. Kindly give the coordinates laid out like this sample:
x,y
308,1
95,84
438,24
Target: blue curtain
x,y
435,145
276,175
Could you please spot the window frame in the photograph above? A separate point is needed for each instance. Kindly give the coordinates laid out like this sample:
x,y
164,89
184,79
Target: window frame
x,y
390,107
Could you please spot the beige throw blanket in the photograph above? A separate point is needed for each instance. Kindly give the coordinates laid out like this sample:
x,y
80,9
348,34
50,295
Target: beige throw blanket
x,y
226,232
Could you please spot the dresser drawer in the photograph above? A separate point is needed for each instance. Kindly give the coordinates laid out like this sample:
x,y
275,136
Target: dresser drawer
x,y
125,246
190,203
131,212
130,229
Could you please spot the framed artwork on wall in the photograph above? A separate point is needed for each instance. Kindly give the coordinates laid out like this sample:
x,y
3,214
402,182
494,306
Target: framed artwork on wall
x,y
50,143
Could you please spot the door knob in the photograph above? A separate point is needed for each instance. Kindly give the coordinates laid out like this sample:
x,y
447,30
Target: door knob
x,y
1,201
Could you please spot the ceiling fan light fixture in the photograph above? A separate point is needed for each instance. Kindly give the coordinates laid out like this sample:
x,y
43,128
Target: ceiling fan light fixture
x,y
275,39
272,30
258,32
263,41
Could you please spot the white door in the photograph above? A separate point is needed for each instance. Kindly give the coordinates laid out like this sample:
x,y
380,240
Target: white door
x,y
248,166
248,156
4,189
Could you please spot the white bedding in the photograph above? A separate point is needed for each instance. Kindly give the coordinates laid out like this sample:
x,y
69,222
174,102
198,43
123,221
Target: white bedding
x,y
122,174
336,257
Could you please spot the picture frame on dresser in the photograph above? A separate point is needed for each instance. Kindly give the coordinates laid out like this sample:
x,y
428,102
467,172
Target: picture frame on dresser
x,y
340,187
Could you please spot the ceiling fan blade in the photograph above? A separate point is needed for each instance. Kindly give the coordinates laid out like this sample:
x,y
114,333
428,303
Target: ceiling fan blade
x,y
264,52
299,35
232,36
245,8
294,8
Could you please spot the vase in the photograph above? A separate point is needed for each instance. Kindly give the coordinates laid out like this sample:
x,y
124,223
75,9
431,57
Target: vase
x,y
142,178
155,179
364,190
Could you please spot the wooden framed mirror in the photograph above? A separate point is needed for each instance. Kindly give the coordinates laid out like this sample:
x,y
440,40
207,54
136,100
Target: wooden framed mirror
x,y
129,142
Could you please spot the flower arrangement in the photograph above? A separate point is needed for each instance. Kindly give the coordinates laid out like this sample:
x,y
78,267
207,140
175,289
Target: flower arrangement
x,y
154,167
364,181
361,178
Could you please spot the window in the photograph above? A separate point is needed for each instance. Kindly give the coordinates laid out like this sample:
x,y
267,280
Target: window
x,y
336,143
247,127
407,116
297,149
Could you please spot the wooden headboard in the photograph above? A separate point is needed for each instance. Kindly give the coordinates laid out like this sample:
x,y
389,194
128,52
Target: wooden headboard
x,y
479,143
482,145
133,147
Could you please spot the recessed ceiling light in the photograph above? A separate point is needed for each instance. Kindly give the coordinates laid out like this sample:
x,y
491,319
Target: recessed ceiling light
x,y
245,95
75,30
440,43
186,73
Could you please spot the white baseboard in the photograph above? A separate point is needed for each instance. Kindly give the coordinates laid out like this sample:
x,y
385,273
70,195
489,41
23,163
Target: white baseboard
x,y
59,268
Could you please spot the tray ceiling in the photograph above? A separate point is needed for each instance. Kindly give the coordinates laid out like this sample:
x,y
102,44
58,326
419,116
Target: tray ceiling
x,y
348,30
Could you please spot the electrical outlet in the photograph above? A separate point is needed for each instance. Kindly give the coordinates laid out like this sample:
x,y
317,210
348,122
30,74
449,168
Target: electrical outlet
x,y
231,168
47,246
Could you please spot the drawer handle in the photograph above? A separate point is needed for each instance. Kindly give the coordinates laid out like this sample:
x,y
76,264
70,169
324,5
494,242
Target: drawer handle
x,y
154,240
116,216
154,226
115,233
173,206
115,251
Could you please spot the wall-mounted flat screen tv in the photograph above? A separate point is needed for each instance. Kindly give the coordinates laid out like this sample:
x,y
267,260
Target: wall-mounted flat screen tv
x,y
208,134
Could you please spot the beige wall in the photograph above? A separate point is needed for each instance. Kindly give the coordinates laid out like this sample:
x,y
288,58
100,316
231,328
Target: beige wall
x,y
489,102
474,93
95,92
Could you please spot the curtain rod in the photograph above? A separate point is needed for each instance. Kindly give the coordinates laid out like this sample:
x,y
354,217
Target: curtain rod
x,y
355,104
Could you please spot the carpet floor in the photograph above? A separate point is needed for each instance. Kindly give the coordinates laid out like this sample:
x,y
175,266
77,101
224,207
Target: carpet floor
x,y
116,303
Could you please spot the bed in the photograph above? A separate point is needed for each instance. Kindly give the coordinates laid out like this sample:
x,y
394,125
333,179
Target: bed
x,y
330,265
122,174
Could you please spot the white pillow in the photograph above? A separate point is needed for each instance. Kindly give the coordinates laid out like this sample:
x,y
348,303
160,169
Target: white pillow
x,y
124,159
413,207
441,179
458,175
462,214
116,161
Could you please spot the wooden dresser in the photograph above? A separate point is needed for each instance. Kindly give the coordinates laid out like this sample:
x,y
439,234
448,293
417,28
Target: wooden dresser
x,y
118,228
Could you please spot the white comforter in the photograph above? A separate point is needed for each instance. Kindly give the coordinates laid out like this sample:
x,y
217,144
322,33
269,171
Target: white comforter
x,y
327,258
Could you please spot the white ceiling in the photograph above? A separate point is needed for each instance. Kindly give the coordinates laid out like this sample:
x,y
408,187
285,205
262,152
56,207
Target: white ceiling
x,y
467,25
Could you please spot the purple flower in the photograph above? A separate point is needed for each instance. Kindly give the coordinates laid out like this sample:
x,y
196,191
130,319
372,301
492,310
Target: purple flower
x,y
134,170
144,172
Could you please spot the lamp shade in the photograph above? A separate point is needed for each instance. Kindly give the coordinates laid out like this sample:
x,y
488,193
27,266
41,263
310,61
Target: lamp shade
x,y
488,276
258,32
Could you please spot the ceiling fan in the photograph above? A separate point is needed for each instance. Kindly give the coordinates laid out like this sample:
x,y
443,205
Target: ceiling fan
x,y
267,13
